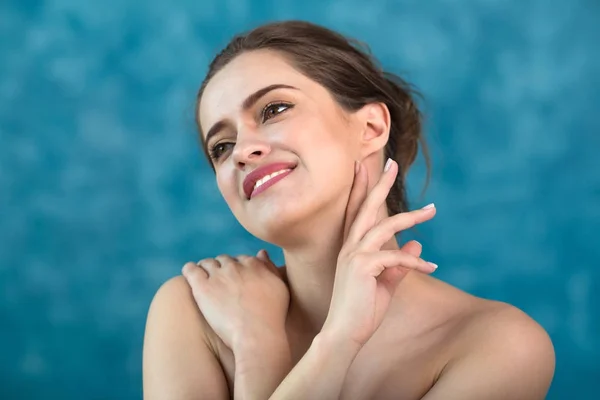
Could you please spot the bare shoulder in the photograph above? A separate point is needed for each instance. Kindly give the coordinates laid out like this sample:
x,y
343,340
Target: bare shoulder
x,y
175,304
475,323
178,359
174,289
500,352
505,330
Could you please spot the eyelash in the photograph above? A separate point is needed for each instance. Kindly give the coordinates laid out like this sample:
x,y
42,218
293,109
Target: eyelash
x,y
214,152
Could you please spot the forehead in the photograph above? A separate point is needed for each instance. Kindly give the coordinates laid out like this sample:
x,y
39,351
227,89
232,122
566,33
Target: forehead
x,y
241,77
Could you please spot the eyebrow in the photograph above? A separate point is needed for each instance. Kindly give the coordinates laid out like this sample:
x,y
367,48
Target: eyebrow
x,y
248,103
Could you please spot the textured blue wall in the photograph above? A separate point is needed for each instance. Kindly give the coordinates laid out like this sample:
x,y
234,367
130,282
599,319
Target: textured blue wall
x,y
104,193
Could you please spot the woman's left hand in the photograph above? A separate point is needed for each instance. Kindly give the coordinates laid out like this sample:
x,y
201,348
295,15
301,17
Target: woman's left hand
x,y
240,297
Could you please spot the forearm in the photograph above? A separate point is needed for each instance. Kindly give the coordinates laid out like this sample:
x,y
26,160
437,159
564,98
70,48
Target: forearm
x,y
320,374
261,363
263,369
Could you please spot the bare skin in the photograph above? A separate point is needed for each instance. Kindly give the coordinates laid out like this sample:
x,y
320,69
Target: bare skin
x,y
435,341
426,332
427,326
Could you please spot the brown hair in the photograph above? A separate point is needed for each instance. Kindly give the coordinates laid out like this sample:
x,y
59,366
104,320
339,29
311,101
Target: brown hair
x,y
347,69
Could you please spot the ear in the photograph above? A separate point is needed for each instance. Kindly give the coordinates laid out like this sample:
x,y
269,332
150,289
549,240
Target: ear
x,y
375,121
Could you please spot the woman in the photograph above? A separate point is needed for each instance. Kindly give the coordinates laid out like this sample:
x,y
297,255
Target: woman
x,y
298,123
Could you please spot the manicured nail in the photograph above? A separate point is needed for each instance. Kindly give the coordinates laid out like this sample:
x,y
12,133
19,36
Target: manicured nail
x,y
388,164
428,206
356,167
432,265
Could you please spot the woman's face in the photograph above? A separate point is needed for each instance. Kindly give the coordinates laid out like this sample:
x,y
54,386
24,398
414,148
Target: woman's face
x,y
297,124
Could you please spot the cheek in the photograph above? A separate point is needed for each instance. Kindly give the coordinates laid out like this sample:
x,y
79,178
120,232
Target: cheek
x,y
332,158
331,147
227,188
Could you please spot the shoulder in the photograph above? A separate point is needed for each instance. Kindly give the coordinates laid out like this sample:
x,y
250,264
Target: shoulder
x,y
174,301
501,352
173,309
173,317
176,289
506,329
177,350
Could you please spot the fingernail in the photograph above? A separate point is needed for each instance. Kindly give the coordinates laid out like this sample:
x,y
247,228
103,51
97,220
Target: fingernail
x,y
428,206
356,167
388,164
432,265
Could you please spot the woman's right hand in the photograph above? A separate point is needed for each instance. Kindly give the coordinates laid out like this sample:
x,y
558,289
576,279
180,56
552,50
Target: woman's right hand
x,y
367,276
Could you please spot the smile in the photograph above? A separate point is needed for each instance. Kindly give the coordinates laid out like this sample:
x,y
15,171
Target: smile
x,y
269,180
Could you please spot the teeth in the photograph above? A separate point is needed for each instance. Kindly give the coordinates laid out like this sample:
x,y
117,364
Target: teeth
x,y
267,177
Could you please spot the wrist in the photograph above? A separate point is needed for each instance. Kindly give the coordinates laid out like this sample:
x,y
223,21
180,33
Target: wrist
x,y
261,350
332,344
256,339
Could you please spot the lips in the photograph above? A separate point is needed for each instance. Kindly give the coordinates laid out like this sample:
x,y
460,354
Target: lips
x,y
261,172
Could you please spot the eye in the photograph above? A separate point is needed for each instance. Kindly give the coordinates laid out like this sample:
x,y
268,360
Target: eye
x,y
218,149
274,109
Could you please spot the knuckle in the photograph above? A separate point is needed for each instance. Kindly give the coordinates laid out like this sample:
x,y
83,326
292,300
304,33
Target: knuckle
x,y
405,220
385,228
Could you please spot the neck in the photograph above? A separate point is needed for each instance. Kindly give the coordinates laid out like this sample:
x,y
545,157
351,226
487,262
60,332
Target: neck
x,y
310,271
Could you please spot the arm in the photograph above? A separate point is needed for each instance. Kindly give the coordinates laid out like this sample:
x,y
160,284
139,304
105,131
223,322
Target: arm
x,y
510,356
177,361
319,374
262,360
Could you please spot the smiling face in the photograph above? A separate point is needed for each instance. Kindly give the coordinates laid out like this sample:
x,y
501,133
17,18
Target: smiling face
x,y
258,110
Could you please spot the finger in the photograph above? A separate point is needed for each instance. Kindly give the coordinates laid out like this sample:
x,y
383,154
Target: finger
x,y
226,261
399,259
210,265
367,214
386,229
263,255
358,193
413,248
246,260
391,277
192,271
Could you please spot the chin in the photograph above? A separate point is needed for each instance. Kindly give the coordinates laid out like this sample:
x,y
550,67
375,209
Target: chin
x,y
278,220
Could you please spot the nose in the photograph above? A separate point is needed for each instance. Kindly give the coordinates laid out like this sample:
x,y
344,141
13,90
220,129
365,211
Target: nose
x,y
249,148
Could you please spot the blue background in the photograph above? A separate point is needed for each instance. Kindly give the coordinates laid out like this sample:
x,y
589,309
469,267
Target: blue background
x,y
104,192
